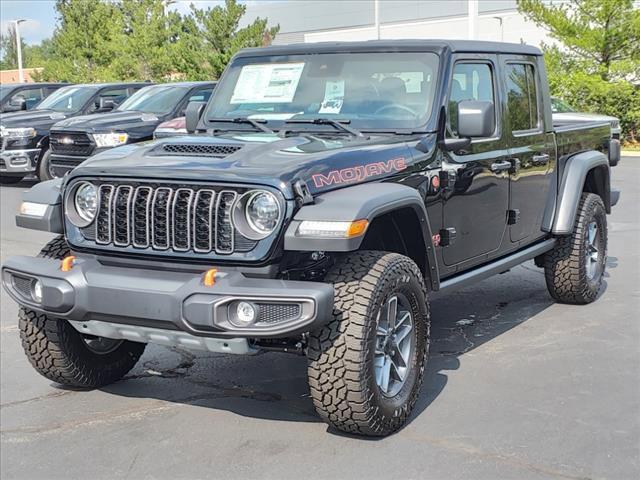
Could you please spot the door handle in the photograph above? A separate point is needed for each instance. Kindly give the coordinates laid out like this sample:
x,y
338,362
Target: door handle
x,y
540,159
501,166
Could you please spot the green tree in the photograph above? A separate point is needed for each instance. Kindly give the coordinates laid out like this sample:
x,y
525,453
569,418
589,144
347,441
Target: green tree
x,y
8,49
595,64
212,36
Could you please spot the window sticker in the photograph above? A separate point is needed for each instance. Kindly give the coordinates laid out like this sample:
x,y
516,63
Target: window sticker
x,y
333,97
267,83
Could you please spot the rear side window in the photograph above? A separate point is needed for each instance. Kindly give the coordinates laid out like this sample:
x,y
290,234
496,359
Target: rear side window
x,y
522,97
471,81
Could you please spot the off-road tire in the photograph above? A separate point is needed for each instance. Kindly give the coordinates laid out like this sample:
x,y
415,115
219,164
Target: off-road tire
x,y
10,179
340,355
565,266
58,352
43,167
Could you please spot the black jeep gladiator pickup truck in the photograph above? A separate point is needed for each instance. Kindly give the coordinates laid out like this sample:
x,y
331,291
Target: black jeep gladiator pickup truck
x,y
326,191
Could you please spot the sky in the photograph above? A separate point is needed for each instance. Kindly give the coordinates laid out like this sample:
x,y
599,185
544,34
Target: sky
x,y
40,16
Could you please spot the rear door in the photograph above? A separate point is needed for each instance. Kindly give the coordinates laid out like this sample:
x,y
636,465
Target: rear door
x,y
475,207
531,149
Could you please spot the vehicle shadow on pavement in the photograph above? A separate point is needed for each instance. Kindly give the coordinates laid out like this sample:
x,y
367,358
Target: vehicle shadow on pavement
x,y
273,386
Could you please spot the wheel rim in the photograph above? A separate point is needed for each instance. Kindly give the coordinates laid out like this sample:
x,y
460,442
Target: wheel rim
x,y
592,254
100,345
394,345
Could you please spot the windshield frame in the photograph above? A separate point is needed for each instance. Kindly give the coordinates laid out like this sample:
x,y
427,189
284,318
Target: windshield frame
x,y
165,86
61,90
426,126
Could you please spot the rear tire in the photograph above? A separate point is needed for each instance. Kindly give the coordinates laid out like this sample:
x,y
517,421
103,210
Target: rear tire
x,y
347,359
574,269
62,354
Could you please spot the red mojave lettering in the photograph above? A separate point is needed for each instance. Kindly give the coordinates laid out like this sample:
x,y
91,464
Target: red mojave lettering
x,y
358,173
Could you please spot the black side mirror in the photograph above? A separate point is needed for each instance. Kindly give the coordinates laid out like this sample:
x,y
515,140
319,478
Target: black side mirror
x,y
476,119
192,115
18,103
106,104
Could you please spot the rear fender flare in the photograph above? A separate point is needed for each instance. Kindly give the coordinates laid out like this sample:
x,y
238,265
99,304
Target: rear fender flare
x,y
364,201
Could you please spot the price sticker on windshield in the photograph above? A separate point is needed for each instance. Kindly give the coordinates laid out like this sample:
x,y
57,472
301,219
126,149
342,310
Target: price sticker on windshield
x,y
267,83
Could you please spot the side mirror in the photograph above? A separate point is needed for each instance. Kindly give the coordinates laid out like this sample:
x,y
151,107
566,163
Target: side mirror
x,y
18,103
192,115
476,119
106,104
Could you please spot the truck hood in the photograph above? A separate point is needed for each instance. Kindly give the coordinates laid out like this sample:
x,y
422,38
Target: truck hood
x,y
138,125
261,159
38,119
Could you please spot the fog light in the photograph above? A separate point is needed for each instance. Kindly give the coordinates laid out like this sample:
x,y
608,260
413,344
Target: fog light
x,y
245,314
36,291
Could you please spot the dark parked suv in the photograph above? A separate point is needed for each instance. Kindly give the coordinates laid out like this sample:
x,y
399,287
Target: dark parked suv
x,y
24,135
15,97
326,191
76,139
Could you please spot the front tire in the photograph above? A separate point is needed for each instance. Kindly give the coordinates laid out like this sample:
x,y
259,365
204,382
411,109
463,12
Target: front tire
x,y
574,269
365,373
62,354
44,168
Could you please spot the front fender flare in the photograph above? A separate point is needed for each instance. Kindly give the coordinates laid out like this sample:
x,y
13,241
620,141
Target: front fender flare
x,y
364,201
571,187
45,193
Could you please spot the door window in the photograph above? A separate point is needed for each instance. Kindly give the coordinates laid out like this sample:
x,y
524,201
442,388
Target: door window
x,y
201,95
471,81
522,97
31,95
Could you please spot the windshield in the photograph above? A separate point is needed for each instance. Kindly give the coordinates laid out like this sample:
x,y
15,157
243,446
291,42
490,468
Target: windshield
x,y
558,106
371,90
155,99
67,99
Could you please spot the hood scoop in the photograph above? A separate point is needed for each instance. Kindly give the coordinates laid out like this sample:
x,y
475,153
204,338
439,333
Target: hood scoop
x,y
197,149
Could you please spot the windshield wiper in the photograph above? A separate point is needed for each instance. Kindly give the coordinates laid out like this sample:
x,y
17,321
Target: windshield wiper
x,y
339,124
254,123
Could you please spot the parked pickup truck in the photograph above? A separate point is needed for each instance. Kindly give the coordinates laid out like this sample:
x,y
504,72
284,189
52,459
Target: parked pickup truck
x,y
15,97
76,139
24,135
326,192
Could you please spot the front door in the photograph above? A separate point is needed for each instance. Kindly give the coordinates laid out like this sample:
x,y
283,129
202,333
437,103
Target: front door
x,y
475,207
532,149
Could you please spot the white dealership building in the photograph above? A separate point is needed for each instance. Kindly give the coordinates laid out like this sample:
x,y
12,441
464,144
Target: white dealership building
x,y
356,20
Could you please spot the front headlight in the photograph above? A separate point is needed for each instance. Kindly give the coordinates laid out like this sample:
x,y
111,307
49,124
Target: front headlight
x,y
110,139
82,204
26,132
256,214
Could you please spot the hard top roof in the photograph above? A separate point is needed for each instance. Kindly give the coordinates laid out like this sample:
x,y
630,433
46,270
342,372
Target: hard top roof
x,y
438,46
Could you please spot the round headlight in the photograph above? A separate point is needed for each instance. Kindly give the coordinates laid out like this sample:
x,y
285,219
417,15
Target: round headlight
x,y
263,212
86,201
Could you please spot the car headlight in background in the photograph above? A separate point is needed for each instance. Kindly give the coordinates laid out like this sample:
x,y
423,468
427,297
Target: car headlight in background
x,y
26,132
256,214
110,139
81,204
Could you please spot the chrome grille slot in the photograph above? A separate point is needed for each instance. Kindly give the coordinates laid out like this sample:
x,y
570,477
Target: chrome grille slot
x,y
160,218
203,215
224,229
182,219
140,212
121,209
163,216
103,220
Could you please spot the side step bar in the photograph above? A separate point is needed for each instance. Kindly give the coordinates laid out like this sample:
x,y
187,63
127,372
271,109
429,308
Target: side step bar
x,y
498,266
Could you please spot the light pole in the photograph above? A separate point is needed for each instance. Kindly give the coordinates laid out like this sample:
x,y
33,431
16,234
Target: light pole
x,y
19,48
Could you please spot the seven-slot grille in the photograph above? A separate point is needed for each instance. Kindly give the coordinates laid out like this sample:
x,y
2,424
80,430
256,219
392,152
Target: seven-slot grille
x,y
167,217
71,143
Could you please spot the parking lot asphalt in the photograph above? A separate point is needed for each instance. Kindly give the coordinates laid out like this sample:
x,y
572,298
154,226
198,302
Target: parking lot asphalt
x,y
517,387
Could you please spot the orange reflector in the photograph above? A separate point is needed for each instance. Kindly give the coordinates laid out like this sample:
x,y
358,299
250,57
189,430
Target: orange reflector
x,y
67,263
210,277
357,228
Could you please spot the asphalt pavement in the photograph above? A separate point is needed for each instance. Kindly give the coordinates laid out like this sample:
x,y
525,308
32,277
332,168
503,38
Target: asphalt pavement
x,y
517,387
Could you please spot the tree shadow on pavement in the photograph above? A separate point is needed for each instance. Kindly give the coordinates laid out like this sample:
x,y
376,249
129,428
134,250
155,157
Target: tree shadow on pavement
x,y
273,386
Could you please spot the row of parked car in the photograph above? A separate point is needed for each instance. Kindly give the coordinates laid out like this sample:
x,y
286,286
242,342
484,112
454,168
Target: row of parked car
x,y
48,129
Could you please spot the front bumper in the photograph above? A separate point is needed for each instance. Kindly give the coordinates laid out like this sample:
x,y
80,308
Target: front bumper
x,y
94,296
19,161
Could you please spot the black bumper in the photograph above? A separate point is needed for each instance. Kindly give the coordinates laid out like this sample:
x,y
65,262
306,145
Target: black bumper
x,y
168,300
